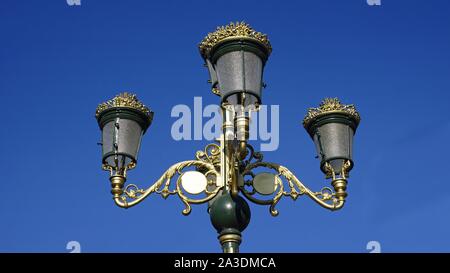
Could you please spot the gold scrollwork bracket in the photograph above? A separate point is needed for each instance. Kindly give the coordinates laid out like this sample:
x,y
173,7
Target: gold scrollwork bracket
x,y
133,195
325,198
210,154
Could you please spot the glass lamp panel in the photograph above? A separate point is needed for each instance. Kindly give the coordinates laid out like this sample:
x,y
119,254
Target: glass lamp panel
x,y
126,136
230,72
129,137
334,144
237,72
253,72
212,73
108,138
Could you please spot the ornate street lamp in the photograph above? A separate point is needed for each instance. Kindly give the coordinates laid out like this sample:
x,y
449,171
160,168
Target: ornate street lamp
x,y
225,174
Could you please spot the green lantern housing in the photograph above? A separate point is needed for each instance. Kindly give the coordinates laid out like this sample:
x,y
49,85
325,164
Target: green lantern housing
x,y
332,126
235,56
123,121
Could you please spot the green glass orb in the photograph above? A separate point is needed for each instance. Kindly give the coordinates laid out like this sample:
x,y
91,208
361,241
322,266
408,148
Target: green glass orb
x,y
230,213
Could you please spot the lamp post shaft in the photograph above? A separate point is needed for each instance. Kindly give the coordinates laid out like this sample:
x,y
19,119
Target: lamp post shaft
x,y
227,214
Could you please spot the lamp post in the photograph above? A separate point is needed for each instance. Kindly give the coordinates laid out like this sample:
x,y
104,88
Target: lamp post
x,y
225,174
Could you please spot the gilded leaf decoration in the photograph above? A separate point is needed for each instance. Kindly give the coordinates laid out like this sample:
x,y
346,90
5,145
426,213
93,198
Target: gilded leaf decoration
x,y
238,30
124,100
330,105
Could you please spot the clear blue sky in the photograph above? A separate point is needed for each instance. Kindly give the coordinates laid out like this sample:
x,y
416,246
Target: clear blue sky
x,y
58,62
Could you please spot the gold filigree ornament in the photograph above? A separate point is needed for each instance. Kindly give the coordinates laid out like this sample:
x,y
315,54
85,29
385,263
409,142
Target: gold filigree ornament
x,y
232,31
325,197
133,195
330,106
126,100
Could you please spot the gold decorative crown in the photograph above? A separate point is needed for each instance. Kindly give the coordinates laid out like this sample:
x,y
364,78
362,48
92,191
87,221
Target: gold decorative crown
x,y
330,105
232,31
124,100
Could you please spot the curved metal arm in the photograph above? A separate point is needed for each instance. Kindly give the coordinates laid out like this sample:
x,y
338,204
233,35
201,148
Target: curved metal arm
x,y
325,198
161,186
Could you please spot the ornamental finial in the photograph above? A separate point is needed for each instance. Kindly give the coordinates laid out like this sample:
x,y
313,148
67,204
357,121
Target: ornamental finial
x,y
127,100
238,30
330,105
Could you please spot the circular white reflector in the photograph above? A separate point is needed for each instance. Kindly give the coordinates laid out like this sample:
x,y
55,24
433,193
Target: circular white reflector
x,y
265,183
193,182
